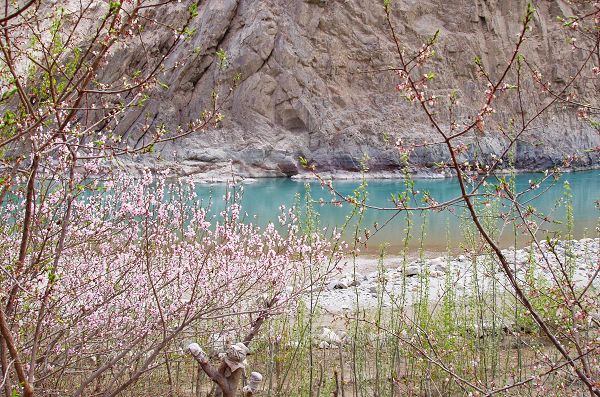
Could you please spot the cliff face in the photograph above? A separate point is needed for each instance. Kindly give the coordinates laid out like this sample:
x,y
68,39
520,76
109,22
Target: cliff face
x,y
309,87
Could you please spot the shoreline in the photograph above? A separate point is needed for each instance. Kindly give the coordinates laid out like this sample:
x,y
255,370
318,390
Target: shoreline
x,y
220,174
357,176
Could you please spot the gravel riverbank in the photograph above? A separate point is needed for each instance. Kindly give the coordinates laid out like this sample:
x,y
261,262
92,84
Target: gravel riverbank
x,y
366,279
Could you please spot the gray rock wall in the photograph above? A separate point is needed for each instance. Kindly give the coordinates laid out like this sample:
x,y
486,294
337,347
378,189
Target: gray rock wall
x,y
308,86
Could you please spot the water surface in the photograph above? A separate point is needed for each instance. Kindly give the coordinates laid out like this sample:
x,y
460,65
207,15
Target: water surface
x,y
435,231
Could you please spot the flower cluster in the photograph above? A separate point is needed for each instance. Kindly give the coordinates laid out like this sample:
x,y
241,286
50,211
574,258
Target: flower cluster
x,y
144,260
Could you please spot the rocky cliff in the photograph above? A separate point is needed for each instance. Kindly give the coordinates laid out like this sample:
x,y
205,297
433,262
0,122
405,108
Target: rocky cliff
x,y
311,85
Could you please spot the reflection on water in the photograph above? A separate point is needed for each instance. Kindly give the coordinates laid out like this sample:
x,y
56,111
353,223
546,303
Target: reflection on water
x,y
262,199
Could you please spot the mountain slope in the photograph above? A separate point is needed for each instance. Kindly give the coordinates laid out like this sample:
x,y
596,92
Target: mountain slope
x,y
309,86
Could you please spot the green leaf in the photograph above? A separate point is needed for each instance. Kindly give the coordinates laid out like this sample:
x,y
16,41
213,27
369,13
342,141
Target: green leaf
x,y
435,37
386,137
530,9
143,100
387,4
114,7
194,10
303,162
222,58
8,94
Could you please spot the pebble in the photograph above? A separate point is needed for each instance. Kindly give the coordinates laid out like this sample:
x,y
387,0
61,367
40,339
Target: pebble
x,y
324,345
330,337
339,284
439,264
411,271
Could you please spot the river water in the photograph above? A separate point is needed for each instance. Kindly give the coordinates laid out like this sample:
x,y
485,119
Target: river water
x,y
439,231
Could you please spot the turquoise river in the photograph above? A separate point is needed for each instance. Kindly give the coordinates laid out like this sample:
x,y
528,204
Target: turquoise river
x,y
436,231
